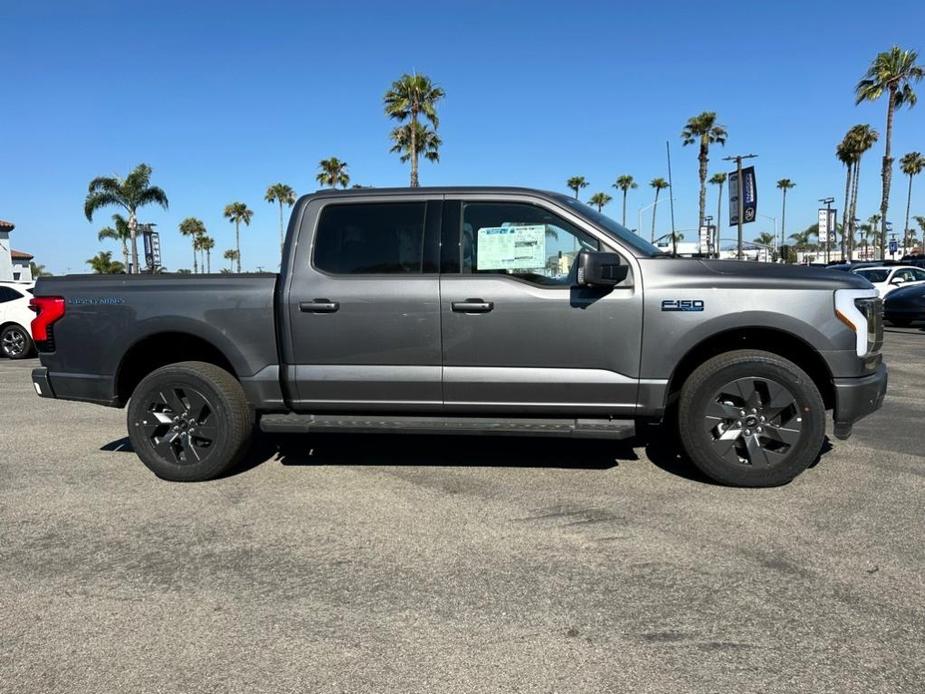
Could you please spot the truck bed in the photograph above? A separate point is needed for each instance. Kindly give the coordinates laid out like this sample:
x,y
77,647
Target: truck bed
x,y
112,318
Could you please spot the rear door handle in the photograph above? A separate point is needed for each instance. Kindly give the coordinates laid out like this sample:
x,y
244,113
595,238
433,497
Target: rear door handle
x,y
473,306
318,306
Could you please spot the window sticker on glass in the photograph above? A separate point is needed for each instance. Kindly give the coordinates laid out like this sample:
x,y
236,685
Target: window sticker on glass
x,y
511,247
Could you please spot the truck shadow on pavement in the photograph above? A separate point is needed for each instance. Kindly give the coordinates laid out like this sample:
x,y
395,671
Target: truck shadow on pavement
x,y
661,449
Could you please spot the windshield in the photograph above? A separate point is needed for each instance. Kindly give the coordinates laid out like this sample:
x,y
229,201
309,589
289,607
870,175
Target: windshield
x,y
612,227
874,275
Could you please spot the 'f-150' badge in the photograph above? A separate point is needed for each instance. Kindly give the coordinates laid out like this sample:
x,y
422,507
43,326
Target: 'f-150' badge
x,y
682,305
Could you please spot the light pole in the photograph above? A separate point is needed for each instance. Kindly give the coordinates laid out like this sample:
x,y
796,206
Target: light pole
x,y
888,229
739,190
708,220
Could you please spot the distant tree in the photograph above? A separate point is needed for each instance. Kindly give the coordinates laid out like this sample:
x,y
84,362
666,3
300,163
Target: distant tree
x,y
103,264
333,173
38,270
576,183
783,185
231,256
207,243
625,183
859,139
183,271
120,232
599,200
911,164
659,184
892,72
703,129
238,213
194,229
130,193
766,238
284,195
425,142
410,98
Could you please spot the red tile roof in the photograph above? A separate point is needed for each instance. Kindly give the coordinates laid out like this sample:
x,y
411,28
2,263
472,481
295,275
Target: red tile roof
x,y
6,226
20,255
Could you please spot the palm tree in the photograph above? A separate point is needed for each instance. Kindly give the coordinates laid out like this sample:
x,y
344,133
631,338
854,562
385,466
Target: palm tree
x,y
802,240
333,173
894,72
103,264
784,185
625,183
718,179
856,142
130,193
576,183
38,270
599,200
911,164
659,184
284,195
207,243
845,154
193,228
411,97
765,238
704,130
119,231
237,212
231,255
423,138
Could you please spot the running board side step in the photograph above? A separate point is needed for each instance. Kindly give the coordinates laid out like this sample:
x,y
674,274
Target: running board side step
x,y
515,426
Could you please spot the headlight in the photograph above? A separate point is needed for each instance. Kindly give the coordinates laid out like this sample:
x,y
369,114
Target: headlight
x,y
862,311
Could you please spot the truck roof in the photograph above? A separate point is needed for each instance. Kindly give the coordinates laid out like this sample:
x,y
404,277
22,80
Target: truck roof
x,y
439,190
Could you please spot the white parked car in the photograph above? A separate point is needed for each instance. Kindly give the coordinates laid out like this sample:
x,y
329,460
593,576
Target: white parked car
x,y
16,319
886,278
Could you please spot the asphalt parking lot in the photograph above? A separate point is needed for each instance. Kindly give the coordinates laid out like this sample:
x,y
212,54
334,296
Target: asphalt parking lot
x,y
401,564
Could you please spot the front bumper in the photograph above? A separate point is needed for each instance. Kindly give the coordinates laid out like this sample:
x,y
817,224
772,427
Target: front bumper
x,y
856,398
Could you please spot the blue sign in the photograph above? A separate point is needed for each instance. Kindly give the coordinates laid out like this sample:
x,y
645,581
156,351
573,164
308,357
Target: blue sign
x,y
893,246
749,196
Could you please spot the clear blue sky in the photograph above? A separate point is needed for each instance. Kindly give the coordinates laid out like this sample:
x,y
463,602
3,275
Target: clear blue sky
x,y
224,98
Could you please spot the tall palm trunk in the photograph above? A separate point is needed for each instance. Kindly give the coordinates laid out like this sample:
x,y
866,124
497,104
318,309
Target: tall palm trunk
x,y
133,231
845,229
208,262
906,225
414,148
719,219
704,160
624,207
783,212
887,173
282,239
654,210
125,253
237,243
854,199
195,264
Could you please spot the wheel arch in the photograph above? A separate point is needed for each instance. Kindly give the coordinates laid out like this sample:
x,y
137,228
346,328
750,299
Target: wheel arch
x,y
773,340
160,349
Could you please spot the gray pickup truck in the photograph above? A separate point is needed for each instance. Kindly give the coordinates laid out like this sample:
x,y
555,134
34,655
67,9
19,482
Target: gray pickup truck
x,y
470,310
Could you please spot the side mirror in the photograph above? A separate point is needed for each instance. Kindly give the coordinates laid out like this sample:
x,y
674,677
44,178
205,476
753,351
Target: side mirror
x,y
599,269
897,280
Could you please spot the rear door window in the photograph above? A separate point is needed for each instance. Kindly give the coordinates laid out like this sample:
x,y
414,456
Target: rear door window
x,y
372,238
9,294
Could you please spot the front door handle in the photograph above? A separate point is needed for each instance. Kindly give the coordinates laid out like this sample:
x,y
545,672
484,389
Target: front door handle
x,y
318,306
472,306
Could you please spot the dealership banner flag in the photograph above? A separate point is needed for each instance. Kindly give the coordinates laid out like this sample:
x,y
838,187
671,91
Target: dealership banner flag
x,y
749,197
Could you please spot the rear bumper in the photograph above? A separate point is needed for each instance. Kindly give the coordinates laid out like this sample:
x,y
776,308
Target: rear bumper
x,y
81,387
856,398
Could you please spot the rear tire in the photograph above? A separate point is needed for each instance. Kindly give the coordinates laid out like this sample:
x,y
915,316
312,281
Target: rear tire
x,y
190,421
751,419
15,342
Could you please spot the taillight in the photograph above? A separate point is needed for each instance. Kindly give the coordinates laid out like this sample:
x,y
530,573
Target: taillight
x,y
48,309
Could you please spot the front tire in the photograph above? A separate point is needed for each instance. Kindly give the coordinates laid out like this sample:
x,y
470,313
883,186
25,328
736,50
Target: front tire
x,y
189,422
751,419
15,342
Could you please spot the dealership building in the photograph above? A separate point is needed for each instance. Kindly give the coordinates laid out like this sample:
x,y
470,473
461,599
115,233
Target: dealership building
x,y
14,265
